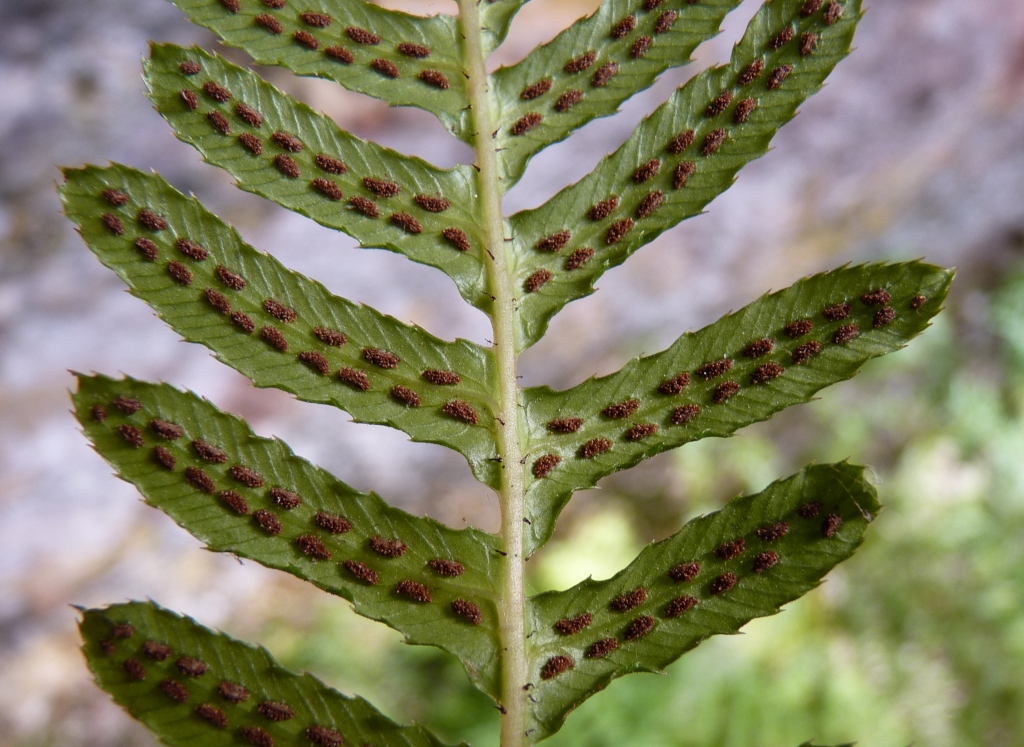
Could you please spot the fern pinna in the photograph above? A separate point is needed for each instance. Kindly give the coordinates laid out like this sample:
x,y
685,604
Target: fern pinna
x,y
462,590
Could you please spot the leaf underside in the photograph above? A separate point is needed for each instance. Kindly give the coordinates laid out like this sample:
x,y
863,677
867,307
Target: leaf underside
x,y
148,659
739,370
309,367
821,514
149,433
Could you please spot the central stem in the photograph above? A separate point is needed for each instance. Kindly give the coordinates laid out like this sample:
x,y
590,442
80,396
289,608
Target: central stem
x,y
513,598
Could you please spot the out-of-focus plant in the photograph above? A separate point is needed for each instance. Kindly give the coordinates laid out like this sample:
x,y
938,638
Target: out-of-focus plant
x,y
463,591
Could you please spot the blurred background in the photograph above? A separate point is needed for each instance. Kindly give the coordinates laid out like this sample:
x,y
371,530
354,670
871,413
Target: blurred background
x,y
914,149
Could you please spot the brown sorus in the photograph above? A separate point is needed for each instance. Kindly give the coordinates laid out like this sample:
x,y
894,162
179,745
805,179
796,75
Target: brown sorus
x,y
778,77
189,67
191,249
361,571
449,568
156,651
216,92
605,73
681,142
407,223
680,605
601,210
836,312
232,693
713,141
268,521
803,353
719,105
316,20
243,321
340,54
381,187
147,248
554,242
255,736
810,8
766,372
113,224
884,317
798,328
275,711
743,110
354,378
751,72
640,627
99,413
466,609
287,166
684,572
248,477
773,532
580,64
565,425
312,547
405,396
329,164
623,27
332,337
526,123
534,283
365,206
878,297
579,257
388,548
251,143
641,431
556,665
174,690
833,12
199,479
435,78
232,5
647,171
665,21
652,4
134,669
593,447
432,203
381,358
218,300
385,67
536,90
808,43
568,100
123,630
731,549
722,583
765,560
413,590
725,391
684,414
179,272
251,116
441,378
190,666
327,188
622,409
714,369
286,499
573,625
917,302
127,405
208,453
759,348
809,510
316,360
324,737
279,310
233,500
276,4
417,51
190,98
214,716
684,170
115,197
781,39
460,411
362,36
831,524
845,334
629,600
543,466
164,457
270,23
640,47
651,202
219,122
618,230
131,434
287,141
601,648
457,238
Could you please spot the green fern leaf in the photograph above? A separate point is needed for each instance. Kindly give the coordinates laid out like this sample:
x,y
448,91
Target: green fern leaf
x,y
711,578
277,327
402,59
777,352
194,687
496,18
678,159
251,496
281,149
